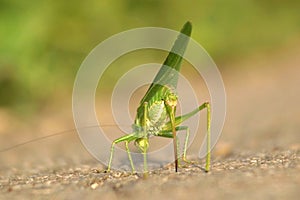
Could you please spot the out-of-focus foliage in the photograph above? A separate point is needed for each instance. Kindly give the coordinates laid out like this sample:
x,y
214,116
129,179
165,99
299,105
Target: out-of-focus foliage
x,y
42,43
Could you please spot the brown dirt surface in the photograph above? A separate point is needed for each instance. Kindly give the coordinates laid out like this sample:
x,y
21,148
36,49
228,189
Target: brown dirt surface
x,y
268,175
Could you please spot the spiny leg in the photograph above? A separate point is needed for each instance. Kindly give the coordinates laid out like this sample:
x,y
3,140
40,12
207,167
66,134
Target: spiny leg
x,y
126,139
208,155
141,141
180,119
170,103
169,134
186,140
129,156
144,147
112,148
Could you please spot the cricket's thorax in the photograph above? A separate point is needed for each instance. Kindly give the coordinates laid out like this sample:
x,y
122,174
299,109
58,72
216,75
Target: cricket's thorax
x,y
157,115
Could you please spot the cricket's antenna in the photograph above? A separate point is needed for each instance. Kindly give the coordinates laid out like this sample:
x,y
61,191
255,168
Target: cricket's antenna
x,y
52,135
34,140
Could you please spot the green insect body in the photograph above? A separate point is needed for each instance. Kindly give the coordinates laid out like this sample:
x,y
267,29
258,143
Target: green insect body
x,y
156,112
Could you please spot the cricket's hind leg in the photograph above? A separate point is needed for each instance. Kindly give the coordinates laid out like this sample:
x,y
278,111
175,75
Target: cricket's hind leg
x,y
180,119
143,145
126,139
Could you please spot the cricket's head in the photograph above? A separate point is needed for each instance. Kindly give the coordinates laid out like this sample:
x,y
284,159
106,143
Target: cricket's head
x,y
171,100
142,144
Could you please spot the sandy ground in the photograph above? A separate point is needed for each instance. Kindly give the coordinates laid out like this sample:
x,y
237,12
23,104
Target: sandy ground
x,y
257,156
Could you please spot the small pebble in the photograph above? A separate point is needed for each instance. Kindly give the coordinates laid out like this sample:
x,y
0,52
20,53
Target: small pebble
x,y
94,185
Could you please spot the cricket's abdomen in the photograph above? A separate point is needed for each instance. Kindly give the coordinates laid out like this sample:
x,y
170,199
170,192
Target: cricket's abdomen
x,y
157,113
157,116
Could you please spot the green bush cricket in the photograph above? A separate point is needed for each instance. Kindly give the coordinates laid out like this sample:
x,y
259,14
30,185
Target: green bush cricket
x,y
156,112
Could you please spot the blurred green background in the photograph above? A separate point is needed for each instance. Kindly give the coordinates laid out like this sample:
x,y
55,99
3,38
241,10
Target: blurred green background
x,y
42,43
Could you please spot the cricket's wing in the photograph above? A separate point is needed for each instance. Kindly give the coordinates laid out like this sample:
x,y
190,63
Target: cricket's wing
x,y
168,73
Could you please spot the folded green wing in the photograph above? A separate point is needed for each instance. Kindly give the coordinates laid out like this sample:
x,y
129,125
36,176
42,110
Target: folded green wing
x,y
168,74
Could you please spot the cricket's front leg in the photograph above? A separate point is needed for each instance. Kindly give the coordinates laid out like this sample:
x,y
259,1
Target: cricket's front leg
x,y
208,156
126,139
143,143
171,103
